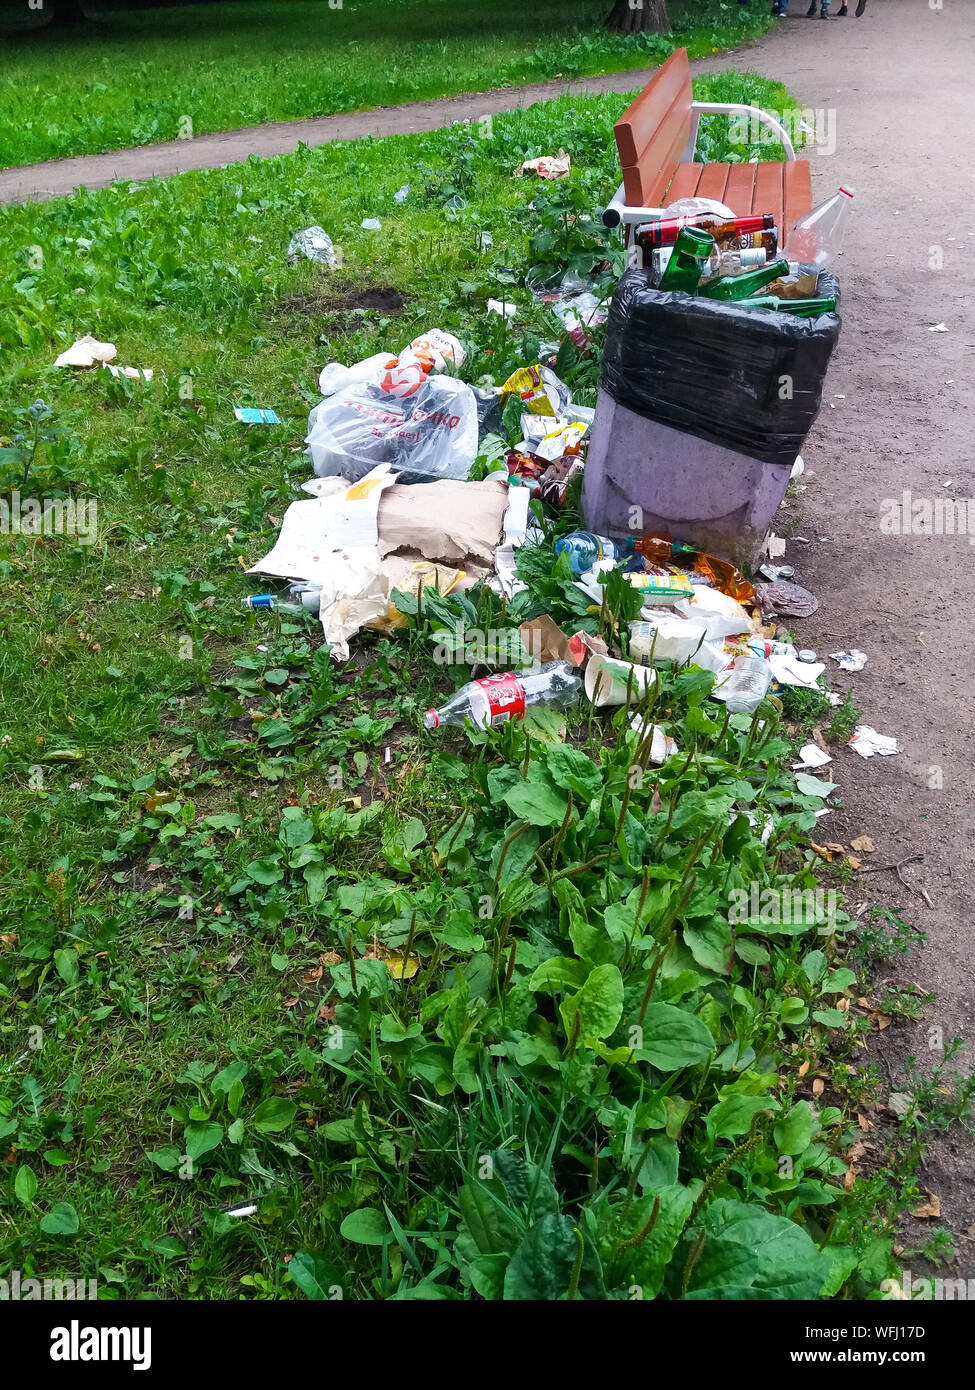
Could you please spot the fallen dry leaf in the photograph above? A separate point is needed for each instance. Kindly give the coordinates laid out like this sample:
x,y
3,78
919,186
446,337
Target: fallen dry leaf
x,y
928,1209
863,1122
863,844
849,1178
835,848
8,940
804,1068
312,975
853,862
818,1087
329,957
326,1014
822,851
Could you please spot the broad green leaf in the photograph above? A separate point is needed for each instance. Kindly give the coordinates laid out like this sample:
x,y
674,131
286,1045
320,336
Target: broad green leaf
x,y
265,871
315,1277
673,1038
541,1269
599,1001
794,1132
537,801
296,828
200,1139
274,1114
559,973
733,1116
751,1254
367,1226
25,1185
571,769
61,1220
66,964
712,944
227,1079
167,1159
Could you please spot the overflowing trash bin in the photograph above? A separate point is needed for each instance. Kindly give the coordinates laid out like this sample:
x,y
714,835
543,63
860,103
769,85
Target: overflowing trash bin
x,y
703,407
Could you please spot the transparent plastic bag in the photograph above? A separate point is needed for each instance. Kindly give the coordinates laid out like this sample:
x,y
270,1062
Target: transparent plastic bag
x,y
425,429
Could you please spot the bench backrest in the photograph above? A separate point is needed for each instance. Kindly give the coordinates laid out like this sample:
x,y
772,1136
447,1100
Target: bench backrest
x,y
652,132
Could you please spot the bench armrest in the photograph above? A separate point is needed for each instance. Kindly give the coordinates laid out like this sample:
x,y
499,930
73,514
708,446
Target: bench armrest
x,y
618,211
724,108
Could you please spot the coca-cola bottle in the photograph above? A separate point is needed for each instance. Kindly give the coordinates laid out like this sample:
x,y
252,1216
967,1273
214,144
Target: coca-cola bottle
x,y
500,699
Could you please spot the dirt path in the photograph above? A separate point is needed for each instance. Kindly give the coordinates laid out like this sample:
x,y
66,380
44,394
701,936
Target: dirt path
x,y
903,403
39,182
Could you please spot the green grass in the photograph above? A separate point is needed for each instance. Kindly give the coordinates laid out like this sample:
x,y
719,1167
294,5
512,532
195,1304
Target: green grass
x,y
132,79
185,902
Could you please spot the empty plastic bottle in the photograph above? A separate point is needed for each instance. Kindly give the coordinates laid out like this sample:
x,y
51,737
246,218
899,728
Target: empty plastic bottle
x,y
744,689
272,601
500,699
584,548
817,238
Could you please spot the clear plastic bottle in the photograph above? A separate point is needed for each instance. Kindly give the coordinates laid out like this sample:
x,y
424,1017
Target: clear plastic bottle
x,y
744,689
584,548
817,238
273,602
500,699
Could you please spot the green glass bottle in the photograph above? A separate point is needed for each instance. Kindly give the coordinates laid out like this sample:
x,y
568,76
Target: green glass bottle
x,y
798,308
690,256
731,287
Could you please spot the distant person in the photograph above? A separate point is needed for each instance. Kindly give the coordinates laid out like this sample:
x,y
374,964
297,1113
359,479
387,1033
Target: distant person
x,y
858,11
780,8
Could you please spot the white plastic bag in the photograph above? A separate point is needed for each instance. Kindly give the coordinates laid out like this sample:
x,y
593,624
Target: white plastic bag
x,y
425,427
722,615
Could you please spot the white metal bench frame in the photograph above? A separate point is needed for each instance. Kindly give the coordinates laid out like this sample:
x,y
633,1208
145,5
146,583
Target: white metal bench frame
x,y
617,211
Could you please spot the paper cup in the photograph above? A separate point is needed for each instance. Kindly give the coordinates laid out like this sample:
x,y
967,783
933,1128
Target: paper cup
x,y
607,678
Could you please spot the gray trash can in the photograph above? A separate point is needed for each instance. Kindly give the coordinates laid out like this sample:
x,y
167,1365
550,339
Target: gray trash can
x,y
702,409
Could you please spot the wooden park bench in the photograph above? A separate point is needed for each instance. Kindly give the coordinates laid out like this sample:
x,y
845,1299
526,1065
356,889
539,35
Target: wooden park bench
x,y
656,137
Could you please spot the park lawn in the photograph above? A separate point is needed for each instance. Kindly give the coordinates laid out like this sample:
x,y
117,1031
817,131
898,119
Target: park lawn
x,y
136,78
207,858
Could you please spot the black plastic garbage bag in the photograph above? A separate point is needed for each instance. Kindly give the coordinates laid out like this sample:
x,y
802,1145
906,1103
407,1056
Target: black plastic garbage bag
x,y
748,379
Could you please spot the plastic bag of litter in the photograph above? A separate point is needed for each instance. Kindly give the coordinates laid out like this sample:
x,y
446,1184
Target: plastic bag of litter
x,y
425,427
314,244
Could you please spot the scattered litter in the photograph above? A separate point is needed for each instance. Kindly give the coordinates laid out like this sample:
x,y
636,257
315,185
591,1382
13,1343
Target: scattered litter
x,y
607,680
900,1103
545,641
938,328
782,599
798,468
484,241
662,746
811,755
547,166
133,373
776,572
506,310
86,352
774,546
314,244
253,415
371,224
852,660
401,194
866,741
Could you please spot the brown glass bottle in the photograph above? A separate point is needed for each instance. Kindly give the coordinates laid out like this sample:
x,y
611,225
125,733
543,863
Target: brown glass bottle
x,y
664,231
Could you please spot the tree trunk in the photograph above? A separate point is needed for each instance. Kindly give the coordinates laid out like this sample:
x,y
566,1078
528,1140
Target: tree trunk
x,y
639,17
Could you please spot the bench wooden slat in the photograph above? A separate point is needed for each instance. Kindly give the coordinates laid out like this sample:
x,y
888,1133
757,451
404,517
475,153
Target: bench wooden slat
x,y
639,124
685,182
768,192
797,187
713,180
740,188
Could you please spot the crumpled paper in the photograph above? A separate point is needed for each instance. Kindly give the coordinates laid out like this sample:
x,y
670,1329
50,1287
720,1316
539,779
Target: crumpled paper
x,y
86,352
866,741
547,166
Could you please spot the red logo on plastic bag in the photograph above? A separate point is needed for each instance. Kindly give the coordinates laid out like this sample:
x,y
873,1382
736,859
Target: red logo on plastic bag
x,y
403,381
